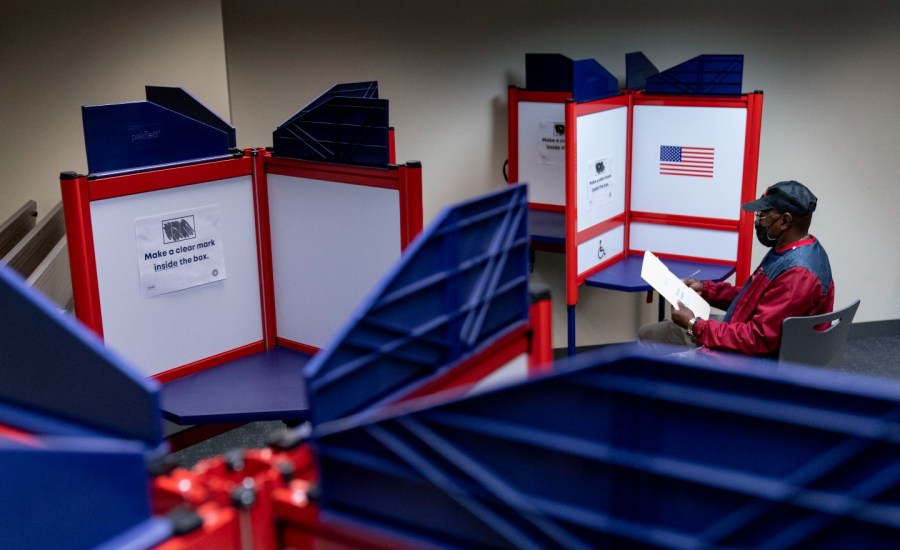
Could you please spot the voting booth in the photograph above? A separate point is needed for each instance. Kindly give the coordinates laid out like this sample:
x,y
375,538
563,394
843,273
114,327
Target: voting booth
x,y
218,271
636,170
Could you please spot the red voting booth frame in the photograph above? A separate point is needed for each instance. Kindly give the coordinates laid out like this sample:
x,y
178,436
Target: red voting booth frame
x,y
752,102
79,191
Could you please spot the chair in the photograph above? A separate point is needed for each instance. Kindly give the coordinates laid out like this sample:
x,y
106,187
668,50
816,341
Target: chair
x,y
801,342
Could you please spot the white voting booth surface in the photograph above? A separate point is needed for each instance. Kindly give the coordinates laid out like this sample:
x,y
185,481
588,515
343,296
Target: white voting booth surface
x,y
158,332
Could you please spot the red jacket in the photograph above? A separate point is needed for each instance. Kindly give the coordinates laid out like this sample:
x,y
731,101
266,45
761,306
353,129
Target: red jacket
x,y
792,281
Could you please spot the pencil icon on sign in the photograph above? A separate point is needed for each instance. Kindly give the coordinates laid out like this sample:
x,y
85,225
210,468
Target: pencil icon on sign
x,y
678,160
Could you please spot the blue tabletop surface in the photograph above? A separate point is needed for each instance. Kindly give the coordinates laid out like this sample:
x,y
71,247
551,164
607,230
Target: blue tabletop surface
x,y
625,275
546,226
263,386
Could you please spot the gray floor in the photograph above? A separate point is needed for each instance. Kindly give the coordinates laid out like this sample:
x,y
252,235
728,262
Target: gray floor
x,y
874,356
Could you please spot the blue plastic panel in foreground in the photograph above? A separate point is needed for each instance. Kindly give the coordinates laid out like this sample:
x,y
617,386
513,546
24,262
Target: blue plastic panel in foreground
x,y
171,127
54,373
348,124
460,285
553,72
628,450
77,492
702,75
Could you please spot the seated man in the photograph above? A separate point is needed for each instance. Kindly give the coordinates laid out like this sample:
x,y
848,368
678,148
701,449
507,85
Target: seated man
x,y
793,280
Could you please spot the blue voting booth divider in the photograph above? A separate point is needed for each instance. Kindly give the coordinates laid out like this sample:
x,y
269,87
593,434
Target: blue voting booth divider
x,y
78,426
348,124
168,128
623,449
462,286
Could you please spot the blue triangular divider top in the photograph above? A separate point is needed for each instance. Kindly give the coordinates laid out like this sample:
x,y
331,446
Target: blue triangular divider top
x,y
348,124
638,69
702,75
585,78
51,367
461,284
171,127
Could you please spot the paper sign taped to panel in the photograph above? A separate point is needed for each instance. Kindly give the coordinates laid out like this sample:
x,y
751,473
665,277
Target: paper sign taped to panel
x,y
671,287
180,250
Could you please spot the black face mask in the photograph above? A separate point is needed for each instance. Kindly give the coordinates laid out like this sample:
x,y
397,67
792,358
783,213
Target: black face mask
x,y
762,235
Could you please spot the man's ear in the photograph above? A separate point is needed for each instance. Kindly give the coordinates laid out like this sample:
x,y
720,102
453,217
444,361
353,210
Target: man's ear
x,y
786,219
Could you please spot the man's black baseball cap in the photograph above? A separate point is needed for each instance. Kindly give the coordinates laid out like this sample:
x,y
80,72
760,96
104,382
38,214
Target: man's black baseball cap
x,y
785,196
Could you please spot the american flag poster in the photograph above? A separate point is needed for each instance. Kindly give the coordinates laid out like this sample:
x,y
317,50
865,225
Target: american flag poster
x,y
679,160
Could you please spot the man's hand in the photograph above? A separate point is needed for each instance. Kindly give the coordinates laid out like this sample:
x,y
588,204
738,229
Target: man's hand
x,y
694,284
682,315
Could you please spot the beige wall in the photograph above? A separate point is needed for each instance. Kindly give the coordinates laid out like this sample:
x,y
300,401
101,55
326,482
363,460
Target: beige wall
x,y
830,71
57,56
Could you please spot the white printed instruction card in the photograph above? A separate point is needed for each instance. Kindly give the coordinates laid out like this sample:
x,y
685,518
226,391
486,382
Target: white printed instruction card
x,y
180,250
671,287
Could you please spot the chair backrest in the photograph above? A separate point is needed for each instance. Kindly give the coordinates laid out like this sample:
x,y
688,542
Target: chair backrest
x,y
801,342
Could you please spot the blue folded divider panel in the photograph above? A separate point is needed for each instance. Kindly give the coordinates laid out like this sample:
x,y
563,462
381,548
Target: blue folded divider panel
x,y
80,428
702,75
348,124
621,449
170,127
638,68
460,285
553,72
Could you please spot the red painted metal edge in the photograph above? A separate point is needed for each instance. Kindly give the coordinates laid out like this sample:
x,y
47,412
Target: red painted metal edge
x,y
155,180
392,147
543,97
264,249
410,183
686,258
642,98
629,131
297,346
476,368
209,362
600,228
748,189
512,135
601,266
80,239
386,178
571,172
684,221
540,328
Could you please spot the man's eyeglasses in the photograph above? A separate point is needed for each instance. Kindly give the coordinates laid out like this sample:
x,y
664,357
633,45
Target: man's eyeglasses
x,y
760,214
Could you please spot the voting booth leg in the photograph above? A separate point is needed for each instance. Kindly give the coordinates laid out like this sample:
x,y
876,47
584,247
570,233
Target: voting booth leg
x,y
571,330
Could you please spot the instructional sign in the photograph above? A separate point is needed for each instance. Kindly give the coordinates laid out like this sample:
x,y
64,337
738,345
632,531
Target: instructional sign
x,y
552,147
599,186
180,250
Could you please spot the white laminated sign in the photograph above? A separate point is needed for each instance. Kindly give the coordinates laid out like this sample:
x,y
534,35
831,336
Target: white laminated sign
x,y
180,250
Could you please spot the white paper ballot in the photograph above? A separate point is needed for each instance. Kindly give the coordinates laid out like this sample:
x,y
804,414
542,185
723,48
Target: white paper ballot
x,y
671,287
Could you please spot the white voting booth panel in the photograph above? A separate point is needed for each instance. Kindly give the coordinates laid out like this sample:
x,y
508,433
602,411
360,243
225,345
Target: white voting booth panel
x,y
602,248
712,191
600,143
689,242
351,237
164,331
541,148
